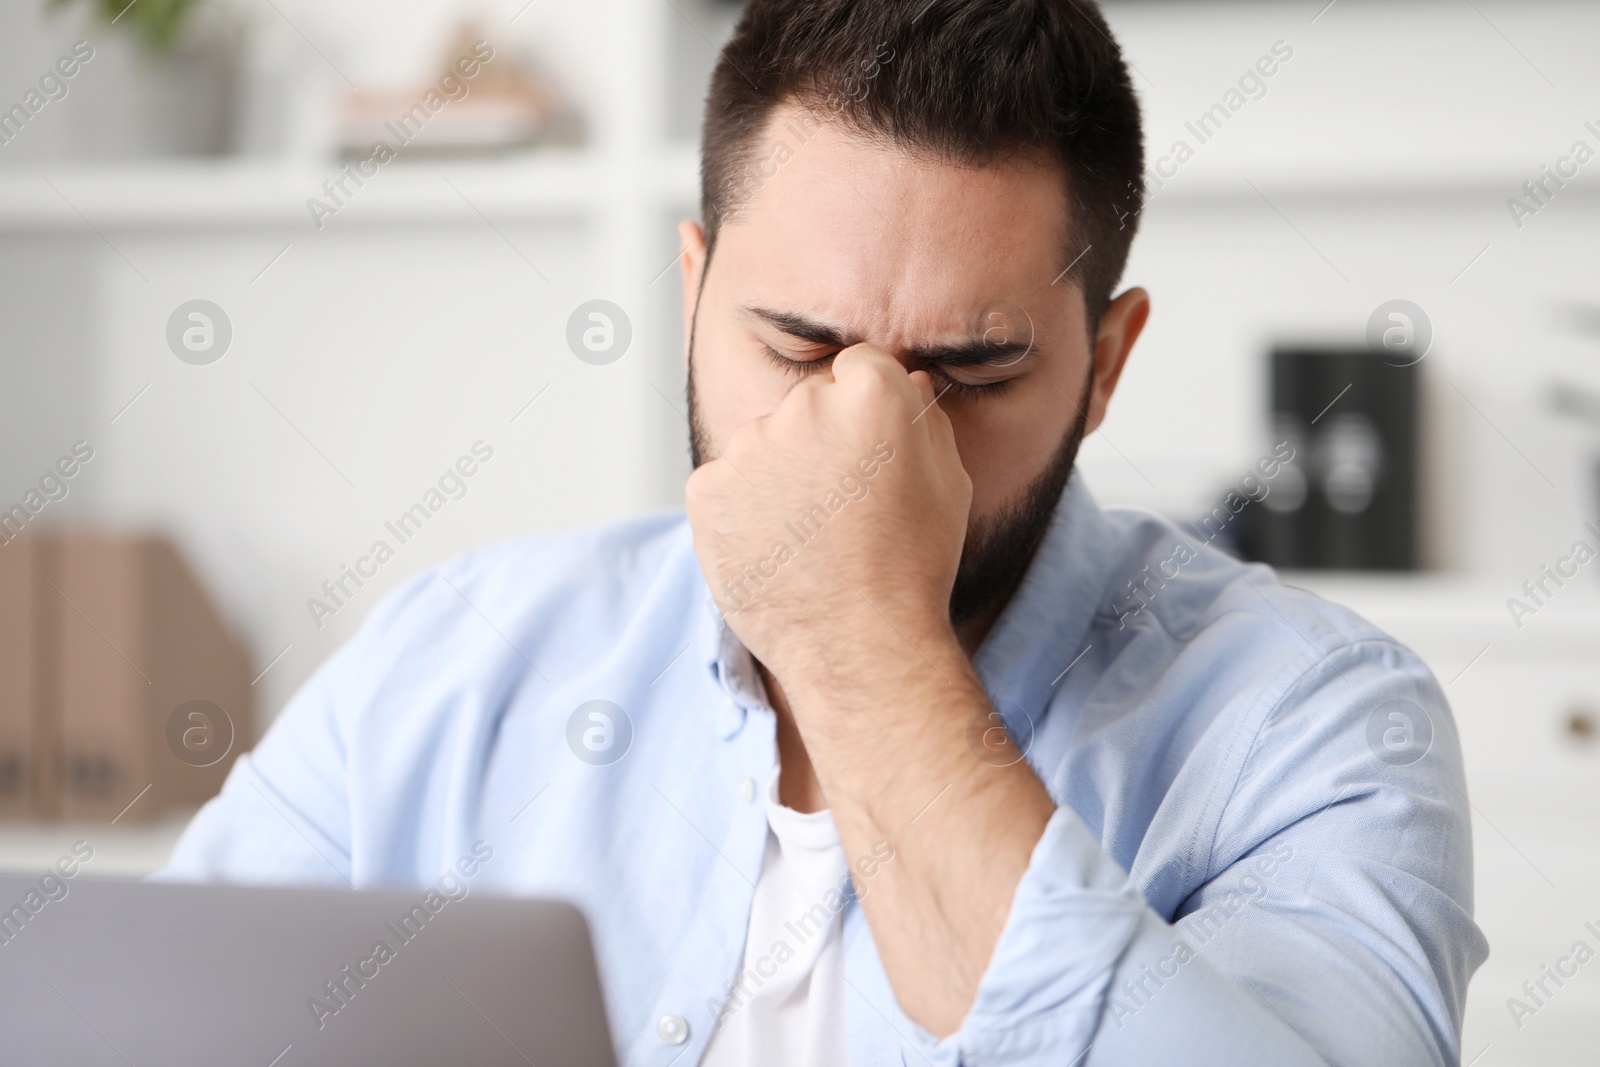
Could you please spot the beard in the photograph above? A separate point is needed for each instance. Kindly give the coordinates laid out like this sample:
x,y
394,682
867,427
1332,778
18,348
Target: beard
x,y
999,546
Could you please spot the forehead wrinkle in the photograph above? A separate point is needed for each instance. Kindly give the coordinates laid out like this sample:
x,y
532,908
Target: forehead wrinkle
x,y
906,249
858,204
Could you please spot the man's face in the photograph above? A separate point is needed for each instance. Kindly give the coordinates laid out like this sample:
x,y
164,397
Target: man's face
x,y
955,270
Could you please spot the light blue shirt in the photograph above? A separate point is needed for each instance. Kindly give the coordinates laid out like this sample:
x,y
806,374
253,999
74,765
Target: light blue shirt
x,y
1261,852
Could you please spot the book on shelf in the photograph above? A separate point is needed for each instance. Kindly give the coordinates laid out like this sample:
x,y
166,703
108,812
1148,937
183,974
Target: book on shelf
x,y
128,695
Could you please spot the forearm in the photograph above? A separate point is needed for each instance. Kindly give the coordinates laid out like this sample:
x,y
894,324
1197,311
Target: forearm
x,y
1084,972
890,742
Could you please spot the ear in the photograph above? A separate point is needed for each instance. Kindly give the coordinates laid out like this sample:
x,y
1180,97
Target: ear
x,y
692,262
1120,327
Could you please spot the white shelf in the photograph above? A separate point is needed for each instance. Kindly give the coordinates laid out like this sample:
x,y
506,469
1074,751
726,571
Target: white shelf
x,y
125,850
193,194
550,185
1460,613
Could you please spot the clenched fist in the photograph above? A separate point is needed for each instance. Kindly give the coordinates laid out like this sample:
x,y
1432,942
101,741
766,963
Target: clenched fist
x,y
833,527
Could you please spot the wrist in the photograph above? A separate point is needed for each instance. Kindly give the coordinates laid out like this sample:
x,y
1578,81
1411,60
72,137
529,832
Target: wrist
x,y
872,663
874,700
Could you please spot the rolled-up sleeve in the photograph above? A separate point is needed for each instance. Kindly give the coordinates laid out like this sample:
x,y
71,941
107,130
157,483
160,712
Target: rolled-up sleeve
x,y
1331,920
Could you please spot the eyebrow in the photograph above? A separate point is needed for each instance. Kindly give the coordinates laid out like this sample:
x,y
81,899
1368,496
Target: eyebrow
x,y
971,353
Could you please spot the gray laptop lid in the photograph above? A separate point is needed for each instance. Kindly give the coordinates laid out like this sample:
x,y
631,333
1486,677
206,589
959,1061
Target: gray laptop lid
x,y
153,975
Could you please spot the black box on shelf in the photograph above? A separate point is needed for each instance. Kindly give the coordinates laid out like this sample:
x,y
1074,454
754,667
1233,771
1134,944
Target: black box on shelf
x,y
1351,500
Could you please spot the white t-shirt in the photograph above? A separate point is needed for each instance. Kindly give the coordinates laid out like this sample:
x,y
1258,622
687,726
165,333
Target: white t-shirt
x,y
787,1006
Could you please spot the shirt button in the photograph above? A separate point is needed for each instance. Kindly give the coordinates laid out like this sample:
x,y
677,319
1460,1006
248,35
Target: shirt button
x,y
747,789
673,1029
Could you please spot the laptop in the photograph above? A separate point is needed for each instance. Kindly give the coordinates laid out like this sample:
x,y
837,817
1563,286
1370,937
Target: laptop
x,y
116,973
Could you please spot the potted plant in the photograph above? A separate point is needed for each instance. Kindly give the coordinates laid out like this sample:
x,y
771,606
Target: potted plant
x,y
168,79
158,24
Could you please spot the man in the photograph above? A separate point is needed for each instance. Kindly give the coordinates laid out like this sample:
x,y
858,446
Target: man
x,y
896,748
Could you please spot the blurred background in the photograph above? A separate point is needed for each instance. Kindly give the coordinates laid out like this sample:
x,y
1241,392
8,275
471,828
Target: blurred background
x,y
240,349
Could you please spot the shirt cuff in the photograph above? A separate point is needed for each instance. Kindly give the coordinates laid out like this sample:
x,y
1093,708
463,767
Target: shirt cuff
x,y
1074,916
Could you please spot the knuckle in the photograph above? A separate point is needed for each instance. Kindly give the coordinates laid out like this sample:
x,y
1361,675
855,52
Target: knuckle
x,y
877,381
738,443
807,393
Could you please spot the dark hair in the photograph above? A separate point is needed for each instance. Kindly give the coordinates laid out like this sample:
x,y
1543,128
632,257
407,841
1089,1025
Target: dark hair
x,y
972,81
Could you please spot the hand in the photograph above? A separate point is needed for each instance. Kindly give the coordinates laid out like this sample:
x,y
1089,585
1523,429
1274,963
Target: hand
x,y
832,528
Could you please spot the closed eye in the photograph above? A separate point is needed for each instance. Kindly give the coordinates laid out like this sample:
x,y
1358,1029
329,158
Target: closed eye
x,y
800,367
945,383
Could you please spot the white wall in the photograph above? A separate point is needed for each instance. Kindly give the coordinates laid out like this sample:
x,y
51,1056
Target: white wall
x,y
410,327
1391,141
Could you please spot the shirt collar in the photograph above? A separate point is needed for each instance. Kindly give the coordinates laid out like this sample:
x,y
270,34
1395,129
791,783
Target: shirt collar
x,y
1039,635
732,668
